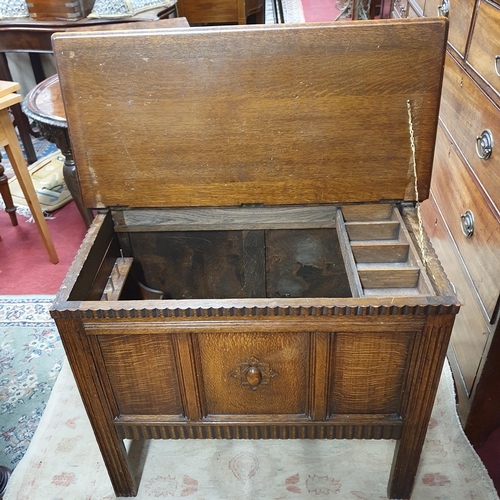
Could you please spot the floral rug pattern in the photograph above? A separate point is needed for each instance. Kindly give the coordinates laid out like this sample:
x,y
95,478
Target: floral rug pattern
x,y
31,356
64,462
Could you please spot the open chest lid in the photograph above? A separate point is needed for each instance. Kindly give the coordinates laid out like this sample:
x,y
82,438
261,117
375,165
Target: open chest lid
x,y
274,115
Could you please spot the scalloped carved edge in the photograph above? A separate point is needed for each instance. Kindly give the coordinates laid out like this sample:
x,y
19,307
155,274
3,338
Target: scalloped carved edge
x,y
62,312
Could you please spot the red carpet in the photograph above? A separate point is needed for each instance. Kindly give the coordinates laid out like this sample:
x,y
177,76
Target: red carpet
x,y
24,263
320,10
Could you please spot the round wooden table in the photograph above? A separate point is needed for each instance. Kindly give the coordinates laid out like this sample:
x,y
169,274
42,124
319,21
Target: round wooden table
x,y
44,105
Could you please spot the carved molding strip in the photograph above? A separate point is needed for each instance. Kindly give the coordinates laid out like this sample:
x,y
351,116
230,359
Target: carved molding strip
x,y
208,431
65,311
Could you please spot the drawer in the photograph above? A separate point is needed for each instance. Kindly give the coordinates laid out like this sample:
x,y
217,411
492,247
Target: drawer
x,y
466,113
431,8
456,194
470,332
484,54
460,16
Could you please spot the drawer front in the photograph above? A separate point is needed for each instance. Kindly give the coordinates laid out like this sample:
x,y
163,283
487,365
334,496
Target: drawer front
x,y
211,11
484,54
470,330
456,194
460,17
467,113
255,373
142,372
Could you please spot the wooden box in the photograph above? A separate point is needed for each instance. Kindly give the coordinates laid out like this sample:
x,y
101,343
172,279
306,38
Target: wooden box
x,y
257,269
222,11
43,10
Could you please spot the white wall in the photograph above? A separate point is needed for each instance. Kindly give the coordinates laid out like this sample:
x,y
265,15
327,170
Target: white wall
x,y
20,68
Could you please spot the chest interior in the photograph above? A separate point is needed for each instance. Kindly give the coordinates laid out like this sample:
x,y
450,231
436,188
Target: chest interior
x,y
253,252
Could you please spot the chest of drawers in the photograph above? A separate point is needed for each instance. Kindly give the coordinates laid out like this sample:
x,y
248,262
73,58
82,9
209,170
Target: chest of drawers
x,y
462,215
257,270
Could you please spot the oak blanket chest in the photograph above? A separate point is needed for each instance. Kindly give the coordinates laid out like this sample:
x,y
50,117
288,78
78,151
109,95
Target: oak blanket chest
x,y
258,268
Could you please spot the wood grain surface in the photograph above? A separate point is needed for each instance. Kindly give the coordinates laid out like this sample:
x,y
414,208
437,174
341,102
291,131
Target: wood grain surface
x,y
236,115
480,252
460,16
470,331
485,44
463,102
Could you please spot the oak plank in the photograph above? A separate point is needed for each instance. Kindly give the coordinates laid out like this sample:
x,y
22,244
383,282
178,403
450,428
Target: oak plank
x,y
224,219
232,118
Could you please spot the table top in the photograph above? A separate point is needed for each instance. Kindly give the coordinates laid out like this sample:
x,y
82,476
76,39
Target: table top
x,y
44,103
8,87
30,35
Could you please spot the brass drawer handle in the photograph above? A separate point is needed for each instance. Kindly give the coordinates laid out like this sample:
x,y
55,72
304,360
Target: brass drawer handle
x,y
484,145
444,8
497,65
467,221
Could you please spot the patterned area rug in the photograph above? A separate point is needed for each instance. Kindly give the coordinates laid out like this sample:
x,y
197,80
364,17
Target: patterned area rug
x,y
64,462
30,360
47,178
40,145
48,181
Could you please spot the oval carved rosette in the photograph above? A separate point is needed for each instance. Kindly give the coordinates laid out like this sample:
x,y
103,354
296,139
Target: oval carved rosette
x,y
253,373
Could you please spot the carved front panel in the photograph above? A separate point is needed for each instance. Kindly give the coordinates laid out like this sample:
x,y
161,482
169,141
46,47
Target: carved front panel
x,y
368,371
142,372
255,373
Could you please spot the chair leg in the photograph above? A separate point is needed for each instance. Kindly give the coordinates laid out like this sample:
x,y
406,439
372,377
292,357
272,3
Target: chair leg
x,y
7,196
21,120
21,170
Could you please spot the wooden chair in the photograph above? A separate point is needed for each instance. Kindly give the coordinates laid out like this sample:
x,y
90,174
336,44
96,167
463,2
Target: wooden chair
x,y
9,140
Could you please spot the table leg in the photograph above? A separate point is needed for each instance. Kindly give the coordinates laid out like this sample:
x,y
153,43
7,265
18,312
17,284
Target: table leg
x,y
21,120
60,137
21,170
71,179
429,362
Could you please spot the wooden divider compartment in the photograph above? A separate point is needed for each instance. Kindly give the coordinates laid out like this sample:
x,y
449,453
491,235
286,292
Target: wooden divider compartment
x,y
377,248
364,250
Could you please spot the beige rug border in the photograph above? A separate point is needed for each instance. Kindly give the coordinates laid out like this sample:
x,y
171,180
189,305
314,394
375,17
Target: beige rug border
x,y
65,382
